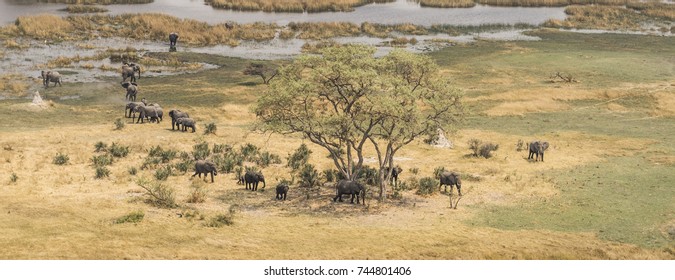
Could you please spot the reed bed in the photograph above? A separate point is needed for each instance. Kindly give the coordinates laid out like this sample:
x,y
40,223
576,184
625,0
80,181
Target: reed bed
x,y
551,3
292,6
447,3
83,9
654,9
599,17
325,30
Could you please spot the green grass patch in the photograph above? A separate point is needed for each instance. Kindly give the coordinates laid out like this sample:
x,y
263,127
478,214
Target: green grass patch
x,y
624,199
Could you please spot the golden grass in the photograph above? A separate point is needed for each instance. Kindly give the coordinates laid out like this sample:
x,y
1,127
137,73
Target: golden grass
x,y
599,17
47,204
551,3
13,85
44,26
325,30
97,2
82,9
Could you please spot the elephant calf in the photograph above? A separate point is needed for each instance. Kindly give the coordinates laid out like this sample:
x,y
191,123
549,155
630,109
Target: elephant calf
x,y
149,112
187,122
537,148
205,167
394,173
354,188
282,190
175,114
132,90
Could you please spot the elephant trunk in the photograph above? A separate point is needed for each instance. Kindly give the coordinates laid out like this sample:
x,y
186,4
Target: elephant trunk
x,y
263,180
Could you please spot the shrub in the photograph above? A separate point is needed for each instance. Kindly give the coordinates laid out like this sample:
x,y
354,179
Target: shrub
x,y
487,149
158,195
223,219
438,171
155,151
119,124
163,173
132,170
118,150
474,145
198,193
427,186
220,148
299,158
60,159
249,151
520,145
267,158
167,155
414,171
201,150
133,217
100,147
210,128
102,160
309,177
13,178
330,175
102,171
368,175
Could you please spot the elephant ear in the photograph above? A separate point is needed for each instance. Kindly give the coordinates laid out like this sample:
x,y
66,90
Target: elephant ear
x,y
544,145
125,84
135,84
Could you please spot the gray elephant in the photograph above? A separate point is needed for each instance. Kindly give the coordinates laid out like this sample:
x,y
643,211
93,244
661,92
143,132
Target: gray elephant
x,y
128,72
252,178
149,112
354,188
132,90
173,39
205,167
451,179
394,173
131,108
175,114
50,77
187,122
282,191
537,148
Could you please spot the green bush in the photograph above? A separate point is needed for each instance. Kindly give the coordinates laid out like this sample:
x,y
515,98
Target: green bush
x,y
267,158
60,159
198,193
427,186
102,160
119,124
132,170
249,152
309,177
163,173
100,147
299,158
102,171
159,195
201,150
438,171
223,219
330,175
133,217
118,150
210,128
221,148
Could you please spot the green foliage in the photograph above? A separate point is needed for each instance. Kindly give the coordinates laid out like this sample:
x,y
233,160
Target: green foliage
x,y
347,97
299,158
100,147
118,150
201,150
133,217
223,219
427,186
480,149
414,171
101,172
60,159
368,175
210,128
330,175
249,152
221,148
438,171
309,177
158,195
102,160
267,158
163,173
119,124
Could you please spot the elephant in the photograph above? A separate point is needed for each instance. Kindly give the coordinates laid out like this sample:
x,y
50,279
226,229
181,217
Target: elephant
x,y
149,112
252,178
132,90
451,179
538,148
282,190
131,106
394,173
187,122
173,38
128,73
205,167
354,188
175,114
51,76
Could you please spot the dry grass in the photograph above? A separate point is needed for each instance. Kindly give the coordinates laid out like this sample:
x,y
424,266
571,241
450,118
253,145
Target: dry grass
x,y
447,3
13,85
44,26
83,9
97,2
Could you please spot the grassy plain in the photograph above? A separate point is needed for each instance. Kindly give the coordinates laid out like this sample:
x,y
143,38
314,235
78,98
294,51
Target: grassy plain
x,y
604,192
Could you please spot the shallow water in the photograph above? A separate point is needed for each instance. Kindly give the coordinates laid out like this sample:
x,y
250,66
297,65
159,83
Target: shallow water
x,y
401,11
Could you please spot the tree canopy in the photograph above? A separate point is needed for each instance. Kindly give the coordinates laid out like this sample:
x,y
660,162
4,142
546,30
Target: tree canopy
x,y
346,99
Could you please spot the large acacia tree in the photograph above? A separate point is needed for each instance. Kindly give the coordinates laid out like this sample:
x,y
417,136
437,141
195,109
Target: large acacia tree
x,y
346,99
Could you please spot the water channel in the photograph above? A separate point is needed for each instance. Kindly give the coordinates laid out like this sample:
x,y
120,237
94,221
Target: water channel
x,y
400,11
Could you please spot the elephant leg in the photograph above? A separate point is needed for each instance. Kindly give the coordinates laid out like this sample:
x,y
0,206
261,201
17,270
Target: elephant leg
x,y
459,190
352,201
211,176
